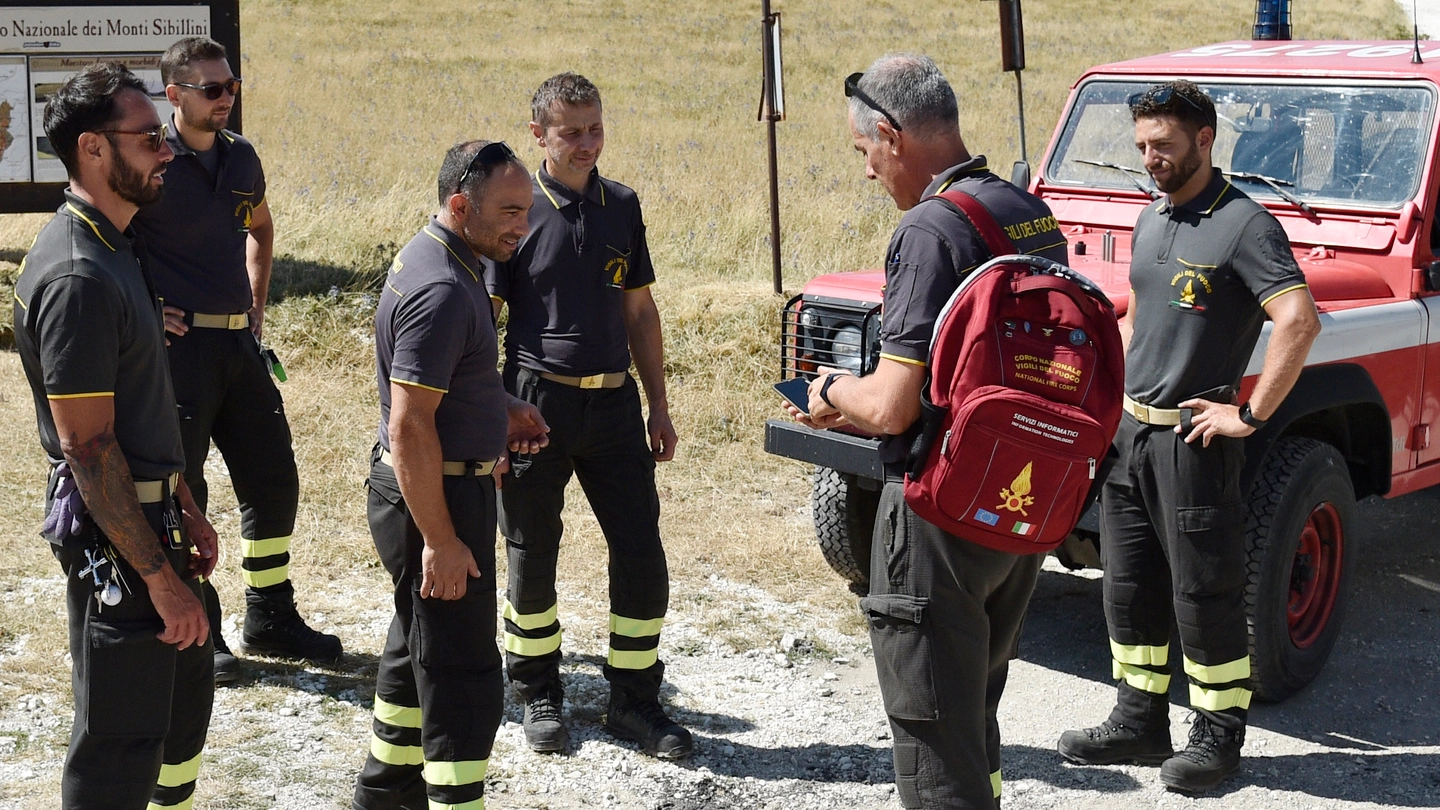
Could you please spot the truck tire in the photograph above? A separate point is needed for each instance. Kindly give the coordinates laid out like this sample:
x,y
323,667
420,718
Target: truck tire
x,y
844,513
1297,536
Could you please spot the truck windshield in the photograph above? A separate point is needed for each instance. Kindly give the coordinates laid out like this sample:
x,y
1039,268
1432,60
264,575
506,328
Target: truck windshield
x,y
1320,144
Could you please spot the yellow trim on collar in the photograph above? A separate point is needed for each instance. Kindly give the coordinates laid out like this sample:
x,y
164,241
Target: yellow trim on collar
x,y
88,221
426,230
551,197
1218,197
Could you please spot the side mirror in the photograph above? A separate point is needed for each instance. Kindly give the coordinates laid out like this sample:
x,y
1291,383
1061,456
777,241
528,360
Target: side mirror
x,y
1020,174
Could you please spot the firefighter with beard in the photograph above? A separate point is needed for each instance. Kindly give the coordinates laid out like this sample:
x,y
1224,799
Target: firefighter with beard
x,y
1208,266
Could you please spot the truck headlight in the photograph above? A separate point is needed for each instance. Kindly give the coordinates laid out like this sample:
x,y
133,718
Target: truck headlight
x,y
846,348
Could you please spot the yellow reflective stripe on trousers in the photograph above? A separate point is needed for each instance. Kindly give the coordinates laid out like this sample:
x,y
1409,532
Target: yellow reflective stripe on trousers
x,y
392,754
1140,654
266,578
532,647
268,547
1218,700
1237,670
995,783
477,804
465,772
185,805
180,773
393,715
635,628
1156,683
633,659
528,621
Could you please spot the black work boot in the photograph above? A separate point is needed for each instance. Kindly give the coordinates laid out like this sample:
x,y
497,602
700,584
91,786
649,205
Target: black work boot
x,y
273,627
227,666
1213,754
544,728
643,721
1111,742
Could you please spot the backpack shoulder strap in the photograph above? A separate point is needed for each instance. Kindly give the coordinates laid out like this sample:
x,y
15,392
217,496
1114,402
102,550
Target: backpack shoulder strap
x,y
979,216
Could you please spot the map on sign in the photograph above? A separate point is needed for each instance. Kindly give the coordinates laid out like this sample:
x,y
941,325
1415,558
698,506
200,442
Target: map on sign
x,y
14,121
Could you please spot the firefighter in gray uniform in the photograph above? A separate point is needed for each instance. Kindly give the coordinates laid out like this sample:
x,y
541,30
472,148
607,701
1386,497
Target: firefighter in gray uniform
x,y
210,240
1208,265
120,520
938,604
444,422
580,305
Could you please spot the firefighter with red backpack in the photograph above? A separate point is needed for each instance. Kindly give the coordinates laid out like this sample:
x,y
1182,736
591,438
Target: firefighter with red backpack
x,y
938,605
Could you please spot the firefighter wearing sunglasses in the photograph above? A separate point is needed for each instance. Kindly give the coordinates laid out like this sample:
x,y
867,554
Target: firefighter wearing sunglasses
x,y
211,239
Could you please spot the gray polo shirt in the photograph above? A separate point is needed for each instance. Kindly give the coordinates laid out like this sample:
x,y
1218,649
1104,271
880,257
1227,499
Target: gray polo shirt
x,y
196,233
88,324
1200,275
434,329
935,247
932,251
566,286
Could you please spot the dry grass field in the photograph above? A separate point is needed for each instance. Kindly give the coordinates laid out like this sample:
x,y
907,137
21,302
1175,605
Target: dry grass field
x,y
351,104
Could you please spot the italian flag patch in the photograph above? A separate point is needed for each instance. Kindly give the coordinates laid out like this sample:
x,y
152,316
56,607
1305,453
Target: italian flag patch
x,y
1021,527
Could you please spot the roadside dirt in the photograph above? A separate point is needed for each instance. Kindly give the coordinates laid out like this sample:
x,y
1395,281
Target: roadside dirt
x,y
802,727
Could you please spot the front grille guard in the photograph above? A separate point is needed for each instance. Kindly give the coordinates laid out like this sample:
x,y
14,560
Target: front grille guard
x,y
805,348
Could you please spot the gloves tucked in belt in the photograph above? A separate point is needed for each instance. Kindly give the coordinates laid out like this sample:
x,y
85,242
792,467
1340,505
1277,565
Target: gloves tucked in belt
x,y
67,510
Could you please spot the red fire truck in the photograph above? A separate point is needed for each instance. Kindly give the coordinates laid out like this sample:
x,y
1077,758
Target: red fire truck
x,y
1338,140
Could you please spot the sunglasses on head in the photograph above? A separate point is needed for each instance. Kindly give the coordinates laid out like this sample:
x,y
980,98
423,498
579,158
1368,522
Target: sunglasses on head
x,y
156,136
491,154
852,90
1160,96
212,91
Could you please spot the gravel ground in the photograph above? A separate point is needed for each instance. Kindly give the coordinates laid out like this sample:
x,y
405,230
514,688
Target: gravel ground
x,y
797,723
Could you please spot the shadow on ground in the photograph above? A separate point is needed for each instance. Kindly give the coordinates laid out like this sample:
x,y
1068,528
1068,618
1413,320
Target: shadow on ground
x,y
1378,689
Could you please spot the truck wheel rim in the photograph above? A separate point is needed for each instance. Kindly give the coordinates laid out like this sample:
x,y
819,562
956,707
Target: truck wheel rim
x,y
1315,575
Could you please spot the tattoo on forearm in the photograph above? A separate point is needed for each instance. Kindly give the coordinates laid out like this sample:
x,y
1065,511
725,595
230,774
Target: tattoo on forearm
x,y
104,480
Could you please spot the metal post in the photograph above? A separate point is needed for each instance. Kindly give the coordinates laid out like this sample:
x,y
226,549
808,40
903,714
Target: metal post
x,y
1020,102
768,112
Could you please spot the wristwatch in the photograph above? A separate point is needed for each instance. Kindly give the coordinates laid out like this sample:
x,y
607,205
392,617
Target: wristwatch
x,y
1249,418
825,389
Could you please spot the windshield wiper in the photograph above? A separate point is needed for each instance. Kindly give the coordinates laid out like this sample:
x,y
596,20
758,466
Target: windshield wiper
x,y
1274,183
1125,170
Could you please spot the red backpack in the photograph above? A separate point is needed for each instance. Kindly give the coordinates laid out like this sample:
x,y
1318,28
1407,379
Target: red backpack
x,y
1026,377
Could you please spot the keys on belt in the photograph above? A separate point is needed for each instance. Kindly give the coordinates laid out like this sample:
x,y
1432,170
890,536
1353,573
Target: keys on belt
x,y
460,468
1163,417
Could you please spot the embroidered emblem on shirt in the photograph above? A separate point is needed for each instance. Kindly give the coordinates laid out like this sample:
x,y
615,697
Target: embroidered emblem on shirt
x,y
1190,285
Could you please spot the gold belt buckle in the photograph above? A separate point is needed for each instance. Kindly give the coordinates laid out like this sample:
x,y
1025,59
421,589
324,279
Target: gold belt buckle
x,y
240,321
593,381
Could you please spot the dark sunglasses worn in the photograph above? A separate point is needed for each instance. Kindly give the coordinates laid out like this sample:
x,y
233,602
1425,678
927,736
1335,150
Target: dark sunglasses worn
x,y
852,90
1160,96
156,136
491,154
213,91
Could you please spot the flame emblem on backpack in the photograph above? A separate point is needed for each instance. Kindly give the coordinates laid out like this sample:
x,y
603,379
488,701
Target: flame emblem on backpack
x,y
1017,495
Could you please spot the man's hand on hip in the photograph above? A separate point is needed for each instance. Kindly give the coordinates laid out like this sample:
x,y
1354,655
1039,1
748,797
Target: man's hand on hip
x,y
1210,419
